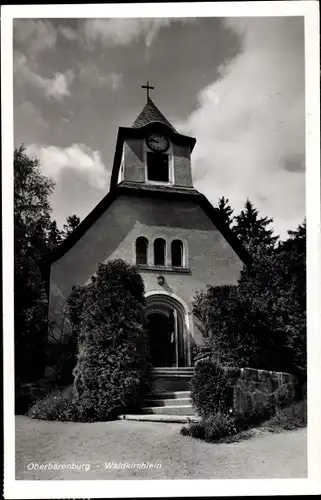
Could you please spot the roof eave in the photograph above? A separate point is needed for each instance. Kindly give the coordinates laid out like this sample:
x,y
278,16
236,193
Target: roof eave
x,y
103,205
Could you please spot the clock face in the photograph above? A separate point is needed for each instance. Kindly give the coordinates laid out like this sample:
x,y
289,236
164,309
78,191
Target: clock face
x,y
157,142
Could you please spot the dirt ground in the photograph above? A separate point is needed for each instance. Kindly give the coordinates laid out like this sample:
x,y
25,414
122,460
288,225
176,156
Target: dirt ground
x,y
151,450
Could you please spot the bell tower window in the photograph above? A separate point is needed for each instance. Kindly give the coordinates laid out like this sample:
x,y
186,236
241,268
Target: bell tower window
x,y
157,167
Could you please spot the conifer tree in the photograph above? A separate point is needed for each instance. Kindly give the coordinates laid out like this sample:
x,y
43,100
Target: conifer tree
x,y
253,231
72,222
54,236
225,210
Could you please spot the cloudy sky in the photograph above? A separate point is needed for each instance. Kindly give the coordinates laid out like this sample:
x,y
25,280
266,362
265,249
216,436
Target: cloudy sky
x,y
236,85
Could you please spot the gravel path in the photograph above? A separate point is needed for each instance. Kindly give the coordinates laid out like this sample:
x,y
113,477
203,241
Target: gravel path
x,y
264,456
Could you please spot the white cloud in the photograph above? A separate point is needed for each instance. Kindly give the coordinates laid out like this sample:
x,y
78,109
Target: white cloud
x,y
91,75
249,124
36,35
84,161
56,87
123,31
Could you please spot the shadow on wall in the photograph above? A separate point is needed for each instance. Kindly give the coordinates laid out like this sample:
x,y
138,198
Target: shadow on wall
x,y
166,287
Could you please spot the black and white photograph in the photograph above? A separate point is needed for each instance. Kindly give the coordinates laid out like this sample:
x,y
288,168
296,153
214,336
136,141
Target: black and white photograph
x,y
161,182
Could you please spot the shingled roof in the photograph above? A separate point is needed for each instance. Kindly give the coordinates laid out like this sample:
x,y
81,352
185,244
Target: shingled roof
x,y
150,114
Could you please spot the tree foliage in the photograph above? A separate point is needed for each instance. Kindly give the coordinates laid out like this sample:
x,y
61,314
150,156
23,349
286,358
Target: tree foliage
x,y
54,235
280,279
31,218
261,322
253,231
32,210
225,211
239,330
72,222
35,233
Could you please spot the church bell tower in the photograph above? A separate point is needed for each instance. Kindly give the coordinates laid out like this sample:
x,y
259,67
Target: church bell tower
x,y
152,152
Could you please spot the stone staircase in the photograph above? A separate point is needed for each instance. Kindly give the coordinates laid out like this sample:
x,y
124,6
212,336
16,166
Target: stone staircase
x,y
172,379
170,400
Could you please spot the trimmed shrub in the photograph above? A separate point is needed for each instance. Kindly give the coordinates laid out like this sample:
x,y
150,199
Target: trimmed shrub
x,y
113,367
212,428
210,392
75,305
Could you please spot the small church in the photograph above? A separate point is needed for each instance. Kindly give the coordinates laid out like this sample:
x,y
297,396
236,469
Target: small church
x,y
154,218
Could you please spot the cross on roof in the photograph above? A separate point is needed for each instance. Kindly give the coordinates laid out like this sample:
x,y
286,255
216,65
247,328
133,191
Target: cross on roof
x,y
148,88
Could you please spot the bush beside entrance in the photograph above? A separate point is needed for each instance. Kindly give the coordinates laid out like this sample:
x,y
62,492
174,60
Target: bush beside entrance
x,y
113,362
231,399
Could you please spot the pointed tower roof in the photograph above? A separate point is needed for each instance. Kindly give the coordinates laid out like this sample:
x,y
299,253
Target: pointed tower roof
x,y
150,114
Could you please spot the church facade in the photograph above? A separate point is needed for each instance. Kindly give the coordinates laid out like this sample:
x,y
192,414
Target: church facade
x,y
155,219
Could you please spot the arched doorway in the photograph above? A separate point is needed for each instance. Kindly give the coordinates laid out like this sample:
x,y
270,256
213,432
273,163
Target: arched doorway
x,y
165,319
161,338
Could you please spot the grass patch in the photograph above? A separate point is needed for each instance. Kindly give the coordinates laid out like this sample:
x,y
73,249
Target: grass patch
x,y
211,429
222,428
290,417
239,436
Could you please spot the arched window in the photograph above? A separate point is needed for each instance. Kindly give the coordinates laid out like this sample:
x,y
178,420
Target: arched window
x,y
159,252
177,253
141,250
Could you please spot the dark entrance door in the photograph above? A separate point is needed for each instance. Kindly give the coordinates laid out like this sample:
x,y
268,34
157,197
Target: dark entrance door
x,y
162,340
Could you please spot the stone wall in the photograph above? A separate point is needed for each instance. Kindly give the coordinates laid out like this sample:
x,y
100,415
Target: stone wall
x,y
256,389
241,390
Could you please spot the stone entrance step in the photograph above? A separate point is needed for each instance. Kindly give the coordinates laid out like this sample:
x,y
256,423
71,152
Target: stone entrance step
x,y
172,379
171,368
168,399
173,419
169,410
172,371
166,406
168,395
168,402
